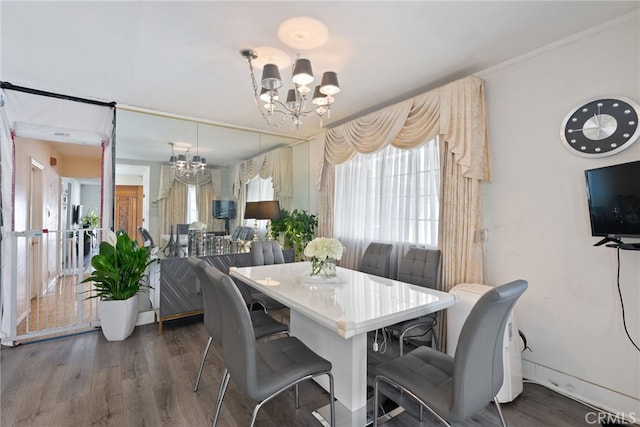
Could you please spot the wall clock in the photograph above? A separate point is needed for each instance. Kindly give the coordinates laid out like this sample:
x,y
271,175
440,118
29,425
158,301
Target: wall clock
x,y
601,127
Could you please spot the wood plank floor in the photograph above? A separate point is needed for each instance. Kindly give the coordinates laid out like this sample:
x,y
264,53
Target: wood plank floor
x,y
147,380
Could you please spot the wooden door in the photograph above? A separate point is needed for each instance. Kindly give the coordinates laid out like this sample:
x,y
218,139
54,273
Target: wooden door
x,y
129,210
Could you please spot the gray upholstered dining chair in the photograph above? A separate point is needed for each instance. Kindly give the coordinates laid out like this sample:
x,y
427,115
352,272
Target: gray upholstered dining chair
x,y
266,253
420,266
376,259
263,324
455,388
261,370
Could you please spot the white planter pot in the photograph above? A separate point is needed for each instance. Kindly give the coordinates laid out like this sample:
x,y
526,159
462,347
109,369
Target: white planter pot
x,y
118,317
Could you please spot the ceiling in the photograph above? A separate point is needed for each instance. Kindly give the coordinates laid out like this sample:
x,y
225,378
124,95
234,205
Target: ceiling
x,y
182,58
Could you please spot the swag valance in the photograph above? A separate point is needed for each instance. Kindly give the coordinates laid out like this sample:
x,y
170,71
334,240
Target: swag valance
x,y
455,112
276,164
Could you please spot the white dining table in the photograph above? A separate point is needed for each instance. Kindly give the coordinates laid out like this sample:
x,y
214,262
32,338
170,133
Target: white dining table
x,y
333,316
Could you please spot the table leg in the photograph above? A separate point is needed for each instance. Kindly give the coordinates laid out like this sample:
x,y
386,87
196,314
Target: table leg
x,y
348,358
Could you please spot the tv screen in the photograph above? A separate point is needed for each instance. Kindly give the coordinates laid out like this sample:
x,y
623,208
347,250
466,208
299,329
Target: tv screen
x,y
223,209
613,193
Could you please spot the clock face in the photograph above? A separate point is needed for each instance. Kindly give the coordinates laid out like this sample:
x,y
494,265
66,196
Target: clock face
x,y
601,127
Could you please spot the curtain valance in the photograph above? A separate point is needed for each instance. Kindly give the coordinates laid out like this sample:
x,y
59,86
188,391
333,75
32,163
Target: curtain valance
x,y
454,111
168,176
276,164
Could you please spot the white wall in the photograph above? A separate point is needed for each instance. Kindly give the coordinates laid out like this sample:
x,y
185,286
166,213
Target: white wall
x,y
535,211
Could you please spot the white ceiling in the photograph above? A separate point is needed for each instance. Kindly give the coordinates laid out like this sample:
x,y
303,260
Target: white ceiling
x,y
183,57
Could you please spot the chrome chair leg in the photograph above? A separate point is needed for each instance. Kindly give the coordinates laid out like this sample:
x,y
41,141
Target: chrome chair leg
x,y
204,357
332,402
495,400
223,389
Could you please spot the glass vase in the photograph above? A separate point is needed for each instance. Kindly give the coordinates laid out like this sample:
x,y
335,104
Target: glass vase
x,y
323,268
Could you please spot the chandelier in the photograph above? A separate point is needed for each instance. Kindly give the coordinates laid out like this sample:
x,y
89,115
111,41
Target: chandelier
x,y
295,108
186,166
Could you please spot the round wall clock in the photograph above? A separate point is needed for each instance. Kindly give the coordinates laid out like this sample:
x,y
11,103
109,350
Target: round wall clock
x,y
601,127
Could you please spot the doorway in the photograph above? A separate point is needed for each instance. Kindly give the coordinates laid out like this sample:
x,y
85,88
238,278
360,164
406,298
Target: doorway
x,y
128,209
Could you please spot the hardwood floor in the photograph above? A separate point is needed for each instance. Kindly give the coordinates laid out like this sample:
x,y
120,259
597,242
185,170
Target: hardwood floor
x,y
147,380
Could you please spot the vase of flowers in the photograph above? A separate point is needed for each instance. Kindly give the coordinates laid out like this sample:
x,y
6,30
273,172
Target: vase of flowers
x,y
119,273
323,252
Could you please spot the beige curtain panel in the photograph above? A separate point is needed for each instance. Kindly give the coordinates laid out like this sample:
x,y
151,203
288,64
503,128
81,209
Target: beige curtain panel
x,y
172,196
277,164
455,113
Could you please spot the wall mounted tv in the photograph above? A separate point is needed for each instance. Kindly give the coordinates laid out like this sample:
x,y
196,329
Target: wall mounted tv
x,y
223,209
613,194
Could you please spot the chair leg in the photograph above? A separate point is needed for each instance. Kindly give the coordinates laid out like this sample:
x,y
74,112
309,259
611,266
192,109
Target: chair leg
x,y
204,357
375,402
223,389
495,400
297,397
332,403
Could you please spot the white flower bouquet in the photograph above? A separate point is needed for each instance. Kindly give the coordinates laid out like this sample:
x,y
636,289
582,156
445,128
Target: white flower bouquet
x,y
324,252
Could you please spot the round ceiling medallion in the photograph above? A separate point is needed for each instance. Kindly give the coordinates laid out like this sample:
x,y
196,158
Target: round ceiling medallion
x,y
271,55
303,33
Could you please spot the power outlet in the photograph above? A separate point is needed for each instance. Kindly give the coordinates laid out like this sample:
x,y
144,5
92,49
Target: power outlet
x,y
480,235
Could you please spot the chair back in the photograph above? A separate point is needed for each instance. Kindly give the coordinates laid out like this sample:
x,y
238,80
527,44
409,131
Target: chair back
x,y
238,336
210,302
421,266
376,259
266,253
242,233
146,236
477,368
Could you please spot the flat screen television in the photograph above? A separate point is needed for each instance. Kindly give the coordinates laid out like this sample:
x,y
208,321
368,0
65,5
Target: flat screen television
x,y
223,209
613,194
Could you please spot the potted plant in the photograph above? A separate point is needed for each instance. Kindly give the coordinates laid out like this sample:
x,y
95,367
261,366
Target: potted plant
x,y
277,228
119,274
90,222
300,227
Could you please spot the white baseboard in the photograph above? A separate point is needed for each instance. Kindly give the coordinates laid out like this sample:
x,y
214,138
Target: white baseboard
x,y
146,317
622,408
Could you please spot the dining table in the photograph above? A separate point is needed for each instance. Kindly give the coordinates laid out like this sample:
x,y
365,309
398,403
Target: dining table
x,y
332,316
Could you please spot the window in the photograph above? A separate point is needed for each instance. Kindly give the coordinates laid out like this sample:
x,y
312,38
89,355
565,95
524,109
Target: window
x,y
192,204
390,195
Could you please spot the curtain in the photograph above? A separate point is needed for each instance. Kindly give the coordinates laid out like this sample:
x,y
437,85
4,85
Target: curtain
x,y
6,222
390,196
172,196
45,116
456,114
277,165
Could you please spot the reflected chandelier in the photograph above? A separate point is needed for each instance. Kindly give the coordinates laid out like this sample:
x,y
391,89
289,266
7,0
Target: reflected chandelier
x,y
185,166
295,105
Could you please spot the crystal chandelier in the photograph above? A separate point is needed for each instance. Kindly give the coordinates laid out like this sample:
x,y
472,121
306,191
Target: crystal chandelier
x,y
186,166
295,105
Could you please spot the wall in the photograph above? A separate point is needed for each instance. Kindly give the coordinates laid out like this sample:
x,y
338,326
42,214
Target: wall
x,y
90,197
82,167
535,211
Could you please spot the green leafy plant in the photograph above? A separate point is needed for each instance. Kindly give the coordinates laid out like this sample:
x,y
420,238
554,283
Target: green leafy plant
x,y
92,219
300,227
119,267
278,225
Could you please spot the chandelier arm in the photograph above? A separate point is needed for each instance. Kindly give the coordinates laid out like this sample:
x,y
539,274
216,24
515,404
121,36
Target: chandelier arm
x,y
295,113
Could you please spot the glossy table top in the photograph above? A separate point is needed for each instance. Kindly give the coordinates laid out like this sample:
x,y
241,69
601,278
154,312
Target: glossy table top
x,y
351,304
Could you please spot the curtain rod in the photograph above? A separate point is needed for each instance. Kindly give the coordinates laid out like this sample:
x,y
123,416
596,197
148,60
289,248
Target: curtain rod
x,y
7,85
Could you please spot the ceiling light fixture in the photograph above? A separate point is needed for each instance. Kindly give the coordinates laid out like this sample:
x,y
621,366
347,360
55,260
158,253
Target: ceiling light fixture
x,y
294,106
185,166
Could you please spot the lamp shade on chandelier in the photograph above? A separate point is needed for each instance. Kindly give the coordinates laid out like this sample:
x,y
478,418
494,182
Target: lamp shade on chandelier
x,y
186,166
295,106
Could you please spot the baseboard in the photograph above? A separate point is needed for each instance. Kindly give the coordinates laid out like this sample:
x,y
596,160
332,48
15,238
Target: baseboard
x,y
621,408
146,317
